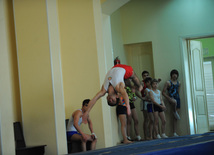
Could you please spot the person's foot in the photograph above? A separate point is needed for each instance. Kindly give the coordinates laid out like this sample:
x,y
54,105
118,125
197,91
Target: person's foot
x,y
127,142
164,135
158,136
175,135
176,115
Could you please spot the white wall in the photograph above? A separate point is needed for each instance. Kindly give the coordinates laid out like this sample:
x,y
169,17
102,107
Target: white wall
x,y
164,23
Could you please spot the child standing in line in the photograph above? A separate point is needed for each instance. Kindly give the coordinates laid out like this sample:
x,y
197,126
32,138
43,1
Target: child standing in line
x,y
173,86
159,108
149,104
132,98
144,106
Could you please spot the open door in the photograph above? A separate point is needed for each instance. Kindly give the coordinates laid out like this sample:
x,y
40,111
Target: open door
x,y
198,86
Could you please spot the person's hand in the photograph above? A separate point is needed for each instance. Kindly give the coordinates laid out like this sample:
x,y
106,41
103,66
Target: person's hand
x,y
163,107
128,110
93,136
85,117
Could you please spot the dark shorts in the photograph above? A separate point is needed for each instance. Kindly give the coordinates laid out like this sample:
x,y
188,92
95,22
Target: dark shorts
x,y
149,108
71,133
132,105
157,108
178,103
121,110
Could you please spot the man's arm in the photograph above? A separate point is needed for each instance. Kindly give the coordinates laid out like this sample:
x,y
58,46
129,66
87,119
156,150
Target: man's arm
x,y
100,94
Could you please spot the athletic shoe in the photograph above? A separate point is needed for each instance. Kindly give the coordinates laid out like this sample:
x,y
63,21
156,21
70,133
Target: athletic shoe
x,y
138,138
129,138
175,135
158,136
176,115
164,135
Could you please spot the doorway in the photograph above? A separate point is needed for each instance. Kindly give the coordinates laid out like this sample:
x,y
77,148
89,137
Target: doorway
x,y
140,57
208,64
197,75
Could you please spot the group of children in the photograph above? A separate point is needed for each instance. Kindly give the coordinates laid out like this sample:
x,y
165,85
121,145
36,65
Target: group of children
x,y
153,107
118,84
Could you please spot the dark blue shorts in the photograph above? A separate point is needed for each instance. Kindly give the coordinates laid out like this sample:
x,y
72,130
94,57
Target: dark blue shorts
x,y
178,103
71,133
149,108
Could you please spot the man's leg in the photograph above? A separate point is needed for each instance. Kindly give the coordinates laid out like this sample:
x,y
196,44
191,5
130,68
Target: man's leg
x,y
77,137
123,120
93,144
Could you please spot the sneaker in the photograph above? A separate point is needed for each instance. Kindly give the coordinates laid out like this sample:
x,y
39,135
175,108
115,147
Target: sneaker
x,y
164,135
175,135
138,138
129,138
176,115
158,136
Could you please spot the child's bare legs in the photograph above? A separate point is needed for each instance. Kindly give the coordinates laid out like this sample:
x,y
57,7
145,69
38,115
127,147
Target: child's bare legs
x,y
156,121
123,120
145,123
174,104
151,124
163,121
129,121
175,123
135,118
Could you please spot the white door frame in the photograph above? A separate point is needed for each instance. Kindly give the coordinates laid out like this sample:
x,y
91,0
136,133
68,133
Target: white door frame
x,y
186,78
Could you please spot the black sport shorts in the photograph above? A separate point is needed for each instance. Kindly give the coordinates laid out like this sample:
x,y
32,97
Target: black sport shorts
x,y
121,110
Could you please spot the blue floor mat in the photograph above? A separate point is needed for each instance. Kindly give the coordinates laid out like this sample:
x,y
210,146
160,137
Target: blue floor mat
x,y
190,144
